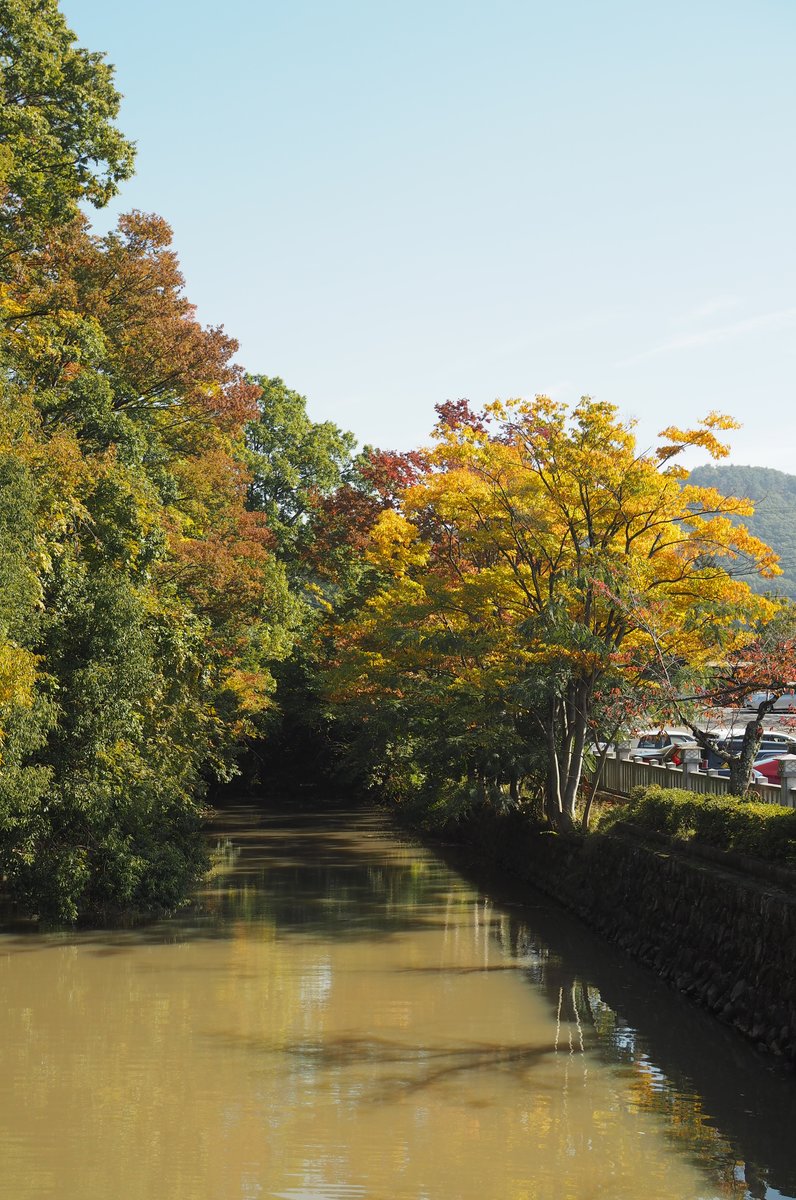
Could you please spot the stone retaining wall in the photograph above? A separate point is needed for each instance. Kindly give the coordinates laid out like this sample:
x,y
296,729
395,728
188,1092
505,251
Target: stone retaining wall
x,y
721,936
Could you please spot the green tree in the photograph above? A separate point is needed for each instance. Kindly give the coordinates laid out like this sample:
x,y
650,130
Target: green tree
x,y
144,606
58,141
295,462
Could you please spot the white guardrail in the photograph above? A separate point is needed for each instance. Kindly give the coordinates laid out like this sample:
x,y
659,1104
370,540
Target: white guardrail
x,y
621,774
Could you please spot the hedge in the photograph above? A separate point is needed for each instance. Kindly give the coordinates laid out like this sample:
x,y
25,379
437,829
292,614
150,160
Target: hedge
x,y
763,831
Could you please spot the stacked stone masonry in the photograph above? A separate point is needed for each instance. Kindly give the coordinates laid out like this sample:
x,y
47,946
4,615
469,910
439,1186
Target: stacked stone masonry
x,y
723,937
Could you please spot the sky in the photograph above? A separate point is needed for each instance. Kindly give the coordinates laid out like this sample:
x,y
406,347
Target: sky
x,y
391,205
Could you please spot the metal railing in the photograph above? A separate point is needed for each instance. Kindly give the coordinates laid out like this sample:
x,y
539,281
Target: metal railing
x,y
621,775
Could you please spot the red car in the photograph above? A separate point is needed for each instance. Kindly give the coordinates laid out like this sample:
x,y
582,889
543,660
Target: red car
x,y
769,767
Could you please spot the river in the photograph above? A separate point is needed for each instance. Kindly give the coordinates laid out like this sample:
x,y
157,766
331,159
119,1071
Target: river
x,y
342,1015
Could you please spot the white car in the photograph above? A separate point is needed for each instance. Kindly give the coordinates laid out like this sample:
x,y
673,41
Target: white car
x,y
784,703
660,745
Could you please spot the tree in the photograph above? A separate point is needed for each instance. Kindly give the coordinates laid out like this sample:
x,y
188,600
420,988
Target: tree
x,y
322,501
58,141
529,531
144,605
295,462
764,668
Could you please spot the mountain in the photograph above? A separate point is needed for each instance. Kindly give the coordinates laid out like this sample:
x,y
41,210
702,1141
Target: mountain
x,y
774,521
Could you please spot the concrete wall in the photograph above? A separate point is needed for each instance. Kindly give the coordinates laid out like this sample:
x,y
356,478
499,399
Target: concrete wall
x,y
725,938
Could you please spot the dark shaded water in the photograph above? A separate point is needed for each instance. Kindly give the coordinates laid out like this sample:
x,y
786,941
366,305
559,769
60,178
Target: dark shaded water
x,y
344,1015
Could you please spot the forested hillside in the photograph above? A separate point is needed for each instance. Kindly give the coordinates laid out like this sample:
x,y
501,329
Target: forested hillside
x,y
774,520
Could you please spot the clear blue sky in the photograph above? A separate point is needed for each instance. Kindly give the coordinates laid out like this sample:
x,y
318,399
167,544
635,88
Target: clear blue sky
x,y
394,204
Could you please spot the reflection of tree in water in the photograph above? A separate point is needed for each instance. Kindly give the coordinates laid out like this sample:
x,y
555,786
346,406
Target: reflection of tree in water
x,y
325,883
407,1068
586,1021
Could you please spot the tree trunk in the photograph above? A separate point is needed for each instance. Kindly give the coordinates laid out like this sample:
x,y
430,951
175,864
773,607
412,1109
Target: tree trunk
x,y
741,764
553,789
575,764
568,717
594,789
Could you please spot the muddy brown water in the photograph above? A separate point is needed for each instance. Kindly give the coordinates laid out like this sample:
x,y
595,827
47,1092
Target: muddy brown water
x,y
342,1016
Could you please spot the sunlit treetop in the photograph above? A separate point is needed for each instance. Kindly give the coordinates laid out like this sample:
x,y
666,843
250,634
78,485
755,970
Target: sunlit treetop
x,y
59,144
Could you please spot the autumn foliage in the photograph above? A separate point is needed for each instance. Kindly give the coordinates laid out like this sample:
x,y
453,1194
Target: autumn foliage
x,y
532,577
190,567
142,605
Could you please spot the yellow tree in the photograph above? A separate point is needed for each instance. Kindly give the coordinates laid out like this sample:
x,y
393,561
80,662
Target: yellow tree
x,y
575,555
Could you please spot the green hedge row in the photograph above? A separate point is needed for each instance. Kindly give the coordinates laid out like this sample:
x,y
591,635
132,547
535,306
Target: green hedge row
x,y
763,831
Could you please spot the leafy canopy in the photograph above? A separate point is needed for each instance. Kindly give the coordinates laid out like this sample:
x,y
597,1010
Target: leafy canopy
x,y
540,556
58,104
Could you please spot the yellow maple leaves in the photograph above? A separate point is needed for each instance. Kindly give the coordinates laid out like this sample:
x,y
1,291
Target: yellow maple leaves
x,y
395,545
541,549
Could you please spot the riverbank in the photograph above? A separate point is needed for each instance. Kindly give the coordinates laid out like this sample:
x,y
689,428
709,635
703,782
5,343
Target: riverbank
x,y
711,927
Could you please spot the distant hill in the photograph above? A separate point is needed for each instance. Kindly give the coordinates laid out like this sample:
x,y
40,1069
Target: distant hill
x,y
774,521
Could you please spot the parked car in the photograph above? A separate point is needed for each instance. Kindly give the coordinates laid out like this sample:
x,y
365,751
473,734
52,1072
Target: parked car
x,y
661,745
768,766
729,740
784,703
718,761
773,742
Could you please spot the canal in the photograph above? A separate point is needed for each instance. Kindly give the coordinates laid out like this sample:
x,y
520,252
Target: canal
x,y
343,1015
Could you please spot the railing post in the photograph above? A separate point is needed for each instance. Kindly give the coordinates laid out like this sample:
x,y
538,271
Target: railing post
x,y
691,757
787,779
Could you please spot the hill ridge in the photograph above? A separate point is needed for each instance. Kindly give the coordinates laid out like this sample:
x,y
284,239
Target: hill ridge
x,y
773,493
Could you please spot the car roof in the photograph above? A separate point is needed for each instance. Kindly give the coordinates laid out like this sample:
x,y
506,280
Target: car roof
x,y
737,731
672,730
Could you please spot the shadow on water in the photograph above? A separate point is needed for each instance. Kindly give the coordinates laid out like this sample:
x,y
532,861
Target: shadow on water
x,y
686,1063
414,1068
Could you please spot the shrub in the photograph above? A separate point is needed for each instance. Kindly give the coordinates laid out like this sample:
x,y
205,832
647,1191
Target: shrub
x,y
763,831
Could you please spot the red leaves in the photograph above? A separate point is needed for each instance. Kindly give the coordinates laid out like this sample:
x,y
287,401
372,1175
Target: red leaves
x,y
767,665
164,356
389,472
128,284
457,413
342,520
224,572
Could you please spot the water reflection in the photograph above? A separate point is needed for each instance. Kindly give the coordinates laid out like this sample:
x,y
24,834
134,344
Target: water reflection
x,y
723,1102
341,1015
